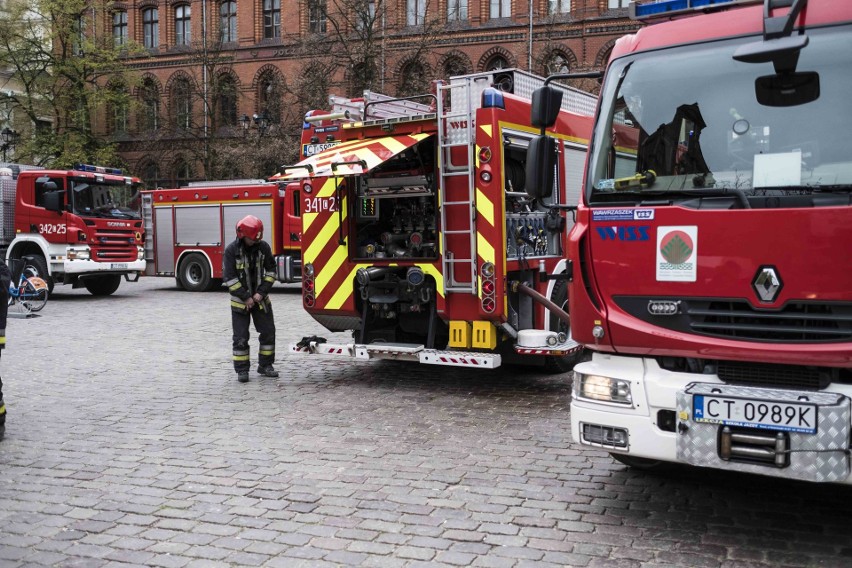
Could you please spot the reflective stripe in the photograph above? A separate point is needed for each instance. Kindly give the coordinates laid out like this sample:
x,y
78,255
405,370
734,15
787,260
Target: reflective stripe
x,y
234,287
2,340
269,279
235,304
240,265
2,409
231,281
241,357
262,352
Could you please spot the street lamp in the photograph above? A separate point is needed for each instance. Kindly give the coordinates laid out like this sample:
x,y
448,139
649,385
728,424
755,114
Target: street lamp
x,y
258,120
10,140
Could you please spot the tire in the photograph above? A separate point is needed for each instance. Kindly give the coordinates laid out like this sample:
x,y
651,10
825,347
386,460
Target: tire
x,y
35,265
194,273
102,285
33,299
640,463
562,363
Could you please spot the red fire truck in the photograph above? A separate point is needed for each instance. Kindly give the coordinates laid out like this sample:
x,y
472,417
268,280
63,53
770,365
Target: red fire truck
x,y
81,227
712,248
418,236
188,228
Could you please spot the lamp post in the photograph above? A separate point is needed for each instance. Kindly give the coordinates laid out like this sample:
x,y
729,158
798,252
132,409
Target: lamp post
x,y
258,121
10,140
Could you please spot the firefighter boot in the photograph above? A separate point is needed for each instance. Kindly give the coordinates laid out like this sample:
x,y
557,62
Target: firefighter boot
x,y
242,376
2,418
267,371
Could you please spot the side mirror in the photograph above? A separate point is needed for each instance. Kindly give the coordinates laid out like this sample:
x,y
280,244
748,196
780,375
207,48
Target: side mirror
x,y
541,163
54,201
546,102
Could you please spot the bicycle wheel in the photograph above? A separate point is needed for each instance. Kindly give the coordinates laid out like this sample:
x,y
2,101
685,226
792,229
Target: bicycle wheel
x,y
34,294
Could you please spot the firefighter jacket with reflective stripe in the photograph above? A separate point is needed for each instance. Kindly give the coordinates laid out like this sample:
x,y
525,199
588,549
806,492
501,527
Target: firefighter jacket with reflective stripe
x,y
247,271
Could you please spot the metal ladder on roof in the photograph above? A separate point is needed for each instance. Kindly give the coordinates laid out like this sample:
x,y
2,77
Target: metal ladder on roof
x,y
456,129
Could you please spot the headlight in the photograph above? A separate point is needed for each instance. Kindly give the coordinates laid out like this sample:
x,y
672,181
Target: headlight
x,y
309,269
140,253
78,254
607,389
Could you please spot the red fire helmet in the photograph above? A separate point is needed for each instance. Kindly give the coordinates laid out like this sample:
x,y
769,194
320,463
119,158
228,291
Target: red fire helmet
x,y
251,227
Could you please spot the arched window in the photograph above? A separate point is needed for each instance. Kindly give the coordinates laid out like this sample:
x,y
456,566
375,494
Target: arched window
x,y
497,62
182,25
226,101
413,80
182,172
361,79
151,175
182,103
150,28
150,98
269,97
455,66
228,21
556,63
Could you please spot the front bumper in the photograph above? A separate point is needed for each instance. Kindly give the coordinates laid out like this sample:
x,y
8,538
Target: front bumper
x,y
638,429
80,267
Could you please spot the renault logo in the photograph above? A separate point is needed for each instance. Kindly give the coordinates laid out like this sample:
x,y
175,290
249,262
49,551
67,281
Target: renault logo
x,y
767,283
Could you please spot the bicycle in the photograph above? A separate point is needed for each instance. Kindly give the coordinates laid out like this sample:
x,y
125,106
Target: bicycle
x,y
30,292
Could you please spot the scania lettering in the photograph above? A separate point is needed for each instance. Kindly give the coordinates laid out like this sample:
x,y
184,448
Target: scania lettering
x,y
724,339
418,237
81,226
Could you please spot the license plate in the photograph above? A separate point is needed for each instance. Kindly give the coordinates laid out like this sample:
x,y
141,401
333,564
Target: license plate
x,y
118,265
750,413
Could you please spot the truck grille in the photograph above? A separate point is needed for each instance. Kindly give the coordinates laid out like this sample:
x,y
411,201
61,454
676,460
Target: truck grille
x,y
796,322
110,245
776,376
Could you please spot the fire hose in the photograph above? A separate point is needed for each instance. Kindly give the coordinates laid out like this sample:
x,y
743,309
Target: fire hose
x,y
536,296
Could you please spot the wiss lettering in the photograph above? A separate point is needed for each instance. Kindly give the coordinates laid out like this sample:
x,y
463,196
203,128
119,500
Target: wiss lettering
x,y
630,233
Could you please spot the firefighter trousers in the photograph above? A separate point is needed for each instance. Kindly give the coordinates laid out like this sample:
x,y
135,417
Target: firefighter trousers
x,y
264,323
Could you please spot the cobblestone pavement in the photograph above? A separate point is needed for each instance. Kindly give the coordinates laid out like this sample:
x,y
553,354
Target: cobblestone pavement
x,y
130,442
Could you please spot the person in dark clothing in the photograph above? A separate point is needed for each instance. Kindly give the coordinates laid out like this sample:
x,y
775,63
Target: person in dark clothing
x,y
5,280
248,269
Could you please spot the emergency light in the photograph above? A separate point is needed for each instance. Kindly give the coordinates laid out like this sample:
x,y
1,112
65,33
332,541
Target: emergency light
x,y
96,169
676,7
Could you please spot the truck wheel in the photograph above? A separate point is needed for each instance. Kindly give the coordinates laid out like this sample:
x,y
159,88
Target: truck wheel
x,y
102,285
563,363
194,273
640,463
37,266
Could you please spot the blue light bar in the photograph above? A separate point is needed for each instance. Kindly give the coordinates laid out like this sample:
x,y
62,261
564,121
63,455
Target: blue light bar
x,y
96,169
492,98
664,8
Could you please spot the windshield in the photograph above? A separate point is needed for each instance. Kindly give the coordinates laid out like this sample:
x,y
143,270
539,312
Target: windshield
x,y
116,201
691,116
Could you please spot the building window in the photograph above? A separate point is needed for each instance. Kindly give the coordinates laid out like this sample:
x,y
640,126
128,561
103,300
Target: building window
x,y
182,25
182,101
457,10
556,63
415,12
271,18
558,6
497,62
270,97
500,9
183,173
414,79
226,99
454,66
614,4
365,14
79,37
150,28
151,175
150,119
119,27
316,16
118,112
228,21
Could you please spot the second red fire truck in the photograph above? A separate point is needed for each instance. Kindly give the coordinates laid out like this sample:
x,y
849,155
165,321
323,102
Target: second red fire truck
x,y
188,228
418,236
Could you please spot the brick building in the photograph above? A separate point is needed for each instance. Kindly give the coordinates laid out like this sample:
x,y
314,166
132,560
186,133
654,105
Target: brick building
x,y
217,75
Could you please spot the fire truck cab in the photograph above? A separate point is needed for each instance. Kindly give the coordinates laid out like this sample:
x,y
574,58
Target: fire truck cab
x,y
81,226
418,235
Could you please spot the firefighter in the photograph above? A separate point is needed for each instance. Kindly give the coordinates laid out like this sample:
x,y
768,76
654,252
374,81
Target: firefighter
x,y
5,281
248,269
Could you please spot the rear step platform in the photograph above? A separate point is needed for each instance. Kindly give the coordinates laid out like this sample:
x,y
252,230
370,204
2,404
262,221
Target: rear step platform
x,y
399,352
